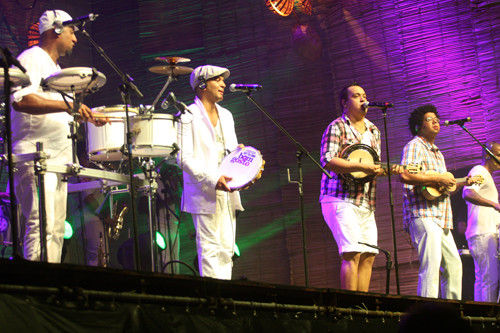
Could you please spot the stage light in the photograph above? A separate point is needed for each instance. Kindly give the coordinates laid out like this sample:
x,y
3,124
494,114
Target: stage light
x,y
236,250
280,7
160,241
68,230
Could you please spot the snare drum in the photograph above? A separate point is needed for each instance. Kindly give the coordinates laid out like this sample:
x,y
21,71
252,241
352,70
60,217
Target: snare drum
x,y
104,142
244,165
154,135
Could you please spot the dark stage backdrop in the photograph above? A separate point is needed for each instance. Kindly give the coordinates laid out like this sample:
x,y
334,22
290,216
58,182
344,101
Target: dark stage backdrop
x,y
407,52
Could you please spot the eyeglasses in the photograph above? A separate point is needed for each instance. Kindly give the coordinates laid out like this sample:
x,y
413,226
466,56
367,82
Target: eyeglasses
x,y
429,119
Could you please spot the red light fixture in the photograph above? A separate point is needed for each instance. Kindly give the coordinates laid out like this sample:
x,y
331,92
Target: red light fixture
x,y
280,7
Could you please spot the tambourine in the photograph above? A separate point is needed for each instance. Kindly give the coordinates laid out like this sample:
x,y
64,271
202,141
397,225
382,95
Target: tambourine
x,y
244,165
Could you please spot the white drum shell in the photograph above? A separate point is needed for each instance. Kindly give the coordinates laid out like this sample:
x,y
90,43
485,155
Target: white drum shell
x,y
104,142
154,135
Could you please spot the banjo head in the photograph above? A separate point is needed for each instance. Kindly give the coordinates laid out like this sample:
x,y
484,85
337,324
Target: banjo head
x,y
360,153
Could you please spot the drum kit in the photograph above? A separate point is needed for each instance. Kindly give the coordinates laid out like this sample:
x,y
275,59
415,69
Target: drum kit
x,y
153,135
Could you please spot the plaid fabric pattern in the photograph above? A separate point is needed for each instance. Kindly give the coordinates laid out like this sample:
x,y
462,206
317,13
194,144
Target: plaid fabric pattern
x,y
421,152
336,137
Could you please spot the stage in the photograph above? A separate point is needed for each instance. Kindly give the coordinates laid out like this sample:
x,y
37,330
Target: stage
x,y
45,297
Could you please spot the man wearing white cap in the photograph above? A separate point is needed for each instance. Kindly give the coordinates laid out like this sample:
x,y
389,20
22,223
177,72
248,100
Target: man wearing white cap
x,y
204,139
43,116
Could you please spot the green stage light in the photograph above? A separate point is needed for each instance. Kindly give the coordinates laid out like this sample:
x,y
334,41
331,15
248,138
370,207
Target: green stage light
x,y
68,230
236,250
160,241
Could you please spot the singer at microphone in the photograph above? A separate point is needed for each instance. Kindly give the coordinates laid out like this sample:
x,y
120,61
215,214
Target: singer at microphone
x,y
457,122
244,87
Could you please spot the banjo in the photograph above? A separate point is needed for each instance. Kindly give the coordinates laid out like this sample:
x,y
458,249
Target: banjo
x,y
362,153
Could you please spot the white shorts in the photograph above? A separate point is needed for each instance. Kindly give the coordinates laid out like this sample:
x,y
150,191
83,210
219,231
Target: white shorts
x,y
351,225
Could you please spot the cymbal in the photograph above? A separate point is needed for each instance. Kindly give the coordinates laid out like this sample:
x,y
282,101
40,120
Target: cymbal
x,y
17,78
171,70
172,60
75,79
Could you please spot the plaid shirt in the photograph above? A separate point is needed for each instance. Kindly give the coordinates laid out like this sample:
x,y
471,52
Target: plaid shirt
x,y
337,136
415,205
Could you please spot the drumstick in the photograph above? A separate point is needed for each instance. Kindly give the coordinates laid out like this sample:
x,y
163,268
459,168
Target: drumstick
x,y
100,115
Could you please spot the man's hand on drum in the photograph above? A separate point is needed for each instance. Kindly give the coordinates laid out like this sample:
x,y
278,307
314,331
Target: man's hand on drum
x,y
222,184
87,115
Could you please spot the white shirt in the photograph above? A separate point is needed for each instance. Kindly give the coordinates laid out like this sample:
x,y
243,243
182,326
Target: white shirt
x,y
51,129
481,219
199,157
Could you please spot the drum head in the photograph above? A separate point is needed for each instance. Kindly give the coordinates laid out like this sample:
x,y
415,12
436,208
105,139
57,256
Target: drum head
x,y
74,78
243,165
17,77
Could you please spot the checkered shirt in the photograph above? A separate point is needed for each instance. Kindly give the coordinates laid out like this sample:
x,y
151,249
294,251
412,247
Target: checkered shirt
x,y
337,136
415,205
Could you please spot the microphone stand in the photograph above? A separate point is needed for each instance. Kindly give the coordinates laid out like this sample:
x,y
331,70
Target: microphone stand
x,y
388,264
300,151
482,146
125,87
391,202
6,63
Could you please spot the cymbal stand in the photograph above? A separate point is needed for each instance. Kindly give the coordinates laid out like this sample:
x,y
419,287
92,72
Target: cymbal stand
x,y
170,79
300,151
149,169
6,63
125,87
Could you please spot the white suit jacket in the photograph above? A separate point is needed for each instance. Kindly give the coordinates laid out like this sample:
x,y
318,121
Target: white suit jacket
x,y
198,158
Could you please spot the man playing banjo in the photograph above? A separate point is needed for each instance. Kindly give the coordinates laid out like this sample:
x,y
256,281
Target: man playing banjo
x,y
348,207
205,134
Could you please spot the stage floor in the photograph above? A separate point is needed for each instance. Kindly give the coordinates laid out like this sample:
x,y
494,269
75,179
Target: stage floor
x,y
67,291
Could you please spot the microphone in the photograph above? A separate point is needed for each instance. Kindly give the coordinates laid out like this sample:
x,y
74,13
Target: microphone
x,y
80,21
244,87
367,105
457,122
171,100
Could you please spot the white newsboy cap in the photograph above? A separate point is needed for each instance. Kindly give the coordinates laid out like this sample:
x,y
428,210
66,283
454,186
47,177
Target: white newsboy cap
x,y
207,72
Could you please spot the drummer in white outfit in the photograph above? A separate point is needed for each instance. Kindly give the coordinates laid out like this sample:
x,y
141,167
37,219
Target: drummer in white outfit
x,y
482,228
39,116
206,134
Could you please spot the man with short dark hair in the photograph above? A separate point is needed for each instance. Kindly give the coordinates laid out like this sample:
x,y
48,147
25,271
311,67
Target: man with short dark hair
x,y
43,116
206,134
348,207
482,227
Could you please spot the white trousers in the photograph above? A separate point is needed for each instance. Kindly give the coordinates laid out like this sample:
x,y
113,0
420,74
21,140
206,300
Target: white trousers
x,y
484,250
436,252
215,238
55,207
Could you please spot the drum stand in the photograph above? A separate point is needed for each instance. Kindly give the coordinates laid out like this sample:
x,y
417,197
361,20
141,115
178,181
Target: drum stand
x,y
149,169
300,151
7,61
